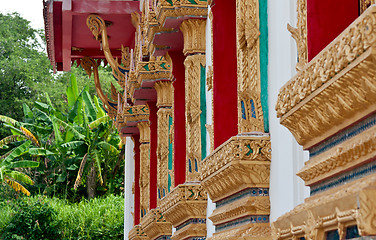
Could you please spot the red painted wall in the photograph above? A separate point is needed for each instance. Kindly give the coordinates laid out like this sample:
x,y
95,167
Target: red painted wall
x,y
137,179
225,71
179,116
153,154
326,20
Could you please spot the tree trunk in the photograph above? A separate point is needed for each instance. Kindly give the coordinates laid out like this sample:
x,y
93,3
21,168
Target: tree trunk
x,y
92,181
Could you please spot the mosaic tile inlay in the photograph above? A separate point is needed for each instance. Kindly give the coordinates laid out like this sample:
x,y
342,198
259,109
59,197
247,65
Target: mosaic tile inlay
x,y
343,136
242,221
343,178
249,192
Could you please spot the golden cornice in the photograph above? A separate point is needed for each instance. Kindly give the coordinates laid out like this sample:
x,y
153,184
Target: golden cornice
x,y
347,205
336,88
184,202
246,206
155,225
194,36
137,113
340,158
251,231
364,4
136,233
165,91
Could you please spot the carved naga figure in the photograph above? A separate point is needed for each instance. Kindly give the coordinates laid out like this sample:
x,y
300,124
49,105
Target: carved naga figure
x,y
98,27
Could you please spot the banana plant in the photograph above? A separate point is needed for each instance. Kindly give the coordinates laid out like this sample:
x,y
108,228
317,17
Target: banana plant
x,y
9,164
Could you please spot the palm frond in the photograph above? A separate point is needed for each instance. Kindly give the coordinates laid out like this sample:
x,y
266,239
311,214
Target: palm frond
x,y
24,164
8,120
17,187
98,168
97,122
69,127
10,139
108,147
30,136
16,152
80,171
19,176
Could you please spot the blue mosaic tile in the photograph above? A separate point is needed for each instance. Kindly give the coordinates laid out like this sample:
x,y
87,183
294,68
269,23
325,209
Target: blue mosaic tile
x,y
191,221
164,238
242,221
249,192
197,238
343,136
344,178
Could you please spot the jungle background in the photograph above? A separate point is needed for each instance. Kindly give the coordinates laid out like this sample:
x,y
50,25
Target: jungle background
x,y
61,159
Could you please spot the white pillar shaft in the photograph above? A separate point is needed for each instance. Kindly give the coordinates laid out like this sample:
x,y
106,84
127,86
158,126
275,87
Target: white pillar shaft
x,y
128,182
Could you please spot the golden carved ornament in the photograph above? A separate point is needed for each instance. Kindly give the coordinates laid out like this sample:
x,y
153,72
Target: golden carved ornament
x,y
154,224
97,26
251,231
336,88
239,163
144,181
300,34
335,209
165,95
184,202
193,65
243,207
209,77
364,4
136,233
210,130
194,36
250,114
353,152
163,152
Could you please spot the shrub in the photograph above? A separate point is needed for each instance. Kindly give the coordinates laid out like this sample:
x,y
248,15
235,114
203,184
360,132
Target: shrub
x,y
33,220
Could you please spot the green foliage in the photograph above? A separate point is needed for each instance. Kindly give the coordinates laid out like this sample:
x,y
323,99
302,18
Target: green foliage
x,y
32,220
99,218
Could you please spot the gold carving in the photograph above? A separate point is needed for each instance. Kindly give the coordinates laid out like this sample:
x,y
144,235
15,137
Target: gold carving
x,y
210,130
154,224
144,128
136,233
300,34
97,26
364,4
194,36
253,231
165,95
192,106
250,114
209,78
184,202
342,157
164,114
347,205
336,88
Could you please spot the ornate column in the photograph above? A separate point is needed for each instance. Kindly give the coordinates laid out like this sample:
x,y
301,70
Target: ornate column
x,y
165,181
194,48
185,205
144,181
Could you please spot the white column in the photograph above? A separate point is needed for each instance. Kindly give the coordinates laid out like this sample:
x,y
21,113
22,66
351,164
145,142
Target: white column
x,y
210,229
128,182
286,189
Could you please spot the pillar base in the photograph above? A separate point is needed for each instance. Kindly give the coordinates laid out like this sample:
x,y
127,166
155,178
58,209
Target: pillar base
x,y
155,225
236,176
185,207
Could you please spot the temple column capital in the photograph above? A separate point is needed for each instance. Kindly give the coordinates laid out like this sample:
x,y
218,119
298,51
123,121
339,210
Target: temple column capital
x,y
194,36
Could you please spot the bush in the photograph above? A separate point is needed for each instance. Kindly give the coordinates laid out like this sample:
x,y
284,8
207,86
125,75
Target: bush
x,y
99,218
33,220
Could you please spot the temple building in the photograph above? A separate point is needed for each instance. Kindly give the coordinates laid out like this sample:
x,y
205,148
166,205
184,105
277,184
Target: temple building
x,y
242,119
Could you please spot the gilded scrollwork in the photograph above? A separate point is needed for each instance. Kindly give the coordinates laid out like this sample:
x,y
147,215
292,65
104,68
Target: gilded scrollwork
x,y
155,225
364,4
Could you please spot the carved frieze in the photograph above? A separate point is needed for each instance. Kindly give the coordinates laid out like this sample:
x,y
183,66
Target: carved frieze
x,y
136,233
336,88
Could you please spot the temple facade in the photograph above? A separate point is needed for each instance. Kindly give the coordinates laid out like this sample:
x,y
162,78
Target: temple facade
x,y
243,119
